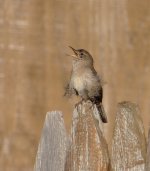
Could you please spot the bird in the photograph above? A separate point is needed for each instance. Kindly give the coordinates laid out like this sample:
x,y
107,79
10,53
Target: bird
x,y
85,82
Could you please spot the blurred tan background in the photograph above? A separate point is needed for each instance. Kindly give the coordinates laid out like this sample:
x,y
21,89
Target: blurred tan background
x,y
34,35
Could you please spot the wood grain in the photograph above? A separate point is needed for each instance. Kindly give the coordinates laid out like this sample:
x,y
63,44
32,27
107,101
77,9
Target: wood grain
x,y
89,150
52,149
128,143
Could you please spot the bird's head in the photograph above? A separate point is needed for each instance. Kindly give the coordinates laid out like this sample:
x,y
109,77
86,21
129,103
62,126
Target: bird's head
x,y
81,57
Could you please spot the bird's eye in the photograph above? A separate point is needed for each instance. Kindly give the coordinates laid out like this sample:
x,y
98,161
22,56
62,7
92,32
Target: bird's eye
x,y
81,54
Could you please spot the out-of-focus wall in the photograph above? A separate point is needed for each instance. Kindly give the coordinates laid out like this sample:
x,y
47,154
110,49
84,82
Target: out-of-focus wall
x,y
34,35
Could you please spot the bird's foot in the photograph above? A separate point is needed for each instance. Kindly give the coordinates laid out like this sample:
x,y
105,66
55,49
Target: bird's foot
x,y
80,102
77,104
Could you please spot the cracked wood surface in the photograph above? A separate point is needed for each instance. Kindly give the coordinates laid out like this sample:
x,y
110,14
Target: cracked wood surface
x,y
89,151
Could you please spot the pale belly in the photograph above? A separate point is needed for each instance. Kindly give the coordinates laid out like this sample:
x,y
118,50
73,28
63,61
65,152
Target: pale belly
x,y
84,82
79,83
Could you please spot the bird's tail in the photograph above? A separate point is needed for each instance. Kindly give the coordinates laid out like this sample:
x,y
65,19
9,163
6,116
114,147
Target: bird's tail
x,y
102,112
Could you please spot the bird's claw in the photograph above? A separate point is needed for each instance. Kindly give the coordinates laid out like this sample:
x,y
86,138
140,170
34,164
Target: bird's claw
x,y
80,102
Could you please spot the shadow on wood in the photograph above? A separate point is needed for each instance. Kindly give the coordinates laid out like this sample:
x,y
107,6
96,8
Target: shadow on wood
x,y
148,153
128,145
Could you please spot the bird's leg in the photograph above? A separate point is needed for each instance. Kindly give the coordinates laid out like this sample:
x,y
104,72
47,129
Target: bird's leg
x,y
91,105
84,96
80,102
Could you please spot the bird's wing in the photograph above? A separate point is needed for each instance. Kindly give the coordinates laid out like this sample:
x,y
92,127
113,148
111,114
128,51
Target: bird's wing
x,y
94,71
100,79
69,90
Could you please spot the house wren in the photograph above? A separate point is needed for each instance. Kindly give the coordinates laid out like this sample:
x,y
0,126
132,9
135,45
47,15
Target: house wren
x,y
85,82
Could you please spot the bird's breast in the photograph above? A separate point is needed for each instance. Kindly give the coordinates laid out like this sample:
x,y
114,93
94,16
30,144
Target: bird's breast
x,y
84,80
79,83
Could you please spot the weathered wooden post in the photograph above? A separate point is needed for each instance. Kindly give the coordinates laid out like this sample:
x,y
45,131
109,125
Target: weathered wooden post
x,y
51,155
148,153
128,145
89,150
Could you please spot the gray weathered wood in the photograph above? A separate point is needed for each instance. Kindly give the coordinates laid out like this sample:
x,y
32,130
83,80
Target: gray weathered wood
x,y
128,145
89,150
148,153
51,153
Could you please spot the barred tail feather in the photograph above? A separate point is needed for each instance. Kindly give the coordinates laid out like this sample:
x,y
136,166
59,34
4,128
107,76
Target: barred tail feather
x,y
102,112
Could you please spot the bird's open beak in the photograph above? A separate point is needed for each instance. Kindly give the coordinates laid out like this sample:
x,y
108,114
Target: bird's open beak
x,y
75,52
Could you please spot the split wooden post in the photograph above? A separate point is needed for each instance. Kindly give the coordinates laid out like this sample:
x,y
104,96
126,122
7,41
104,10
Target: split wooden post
x,y
128,145
89,151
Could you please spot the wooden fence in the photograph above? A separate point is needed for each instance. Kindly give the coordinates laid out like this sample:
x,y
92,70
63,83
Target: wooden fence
x,y
86,149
